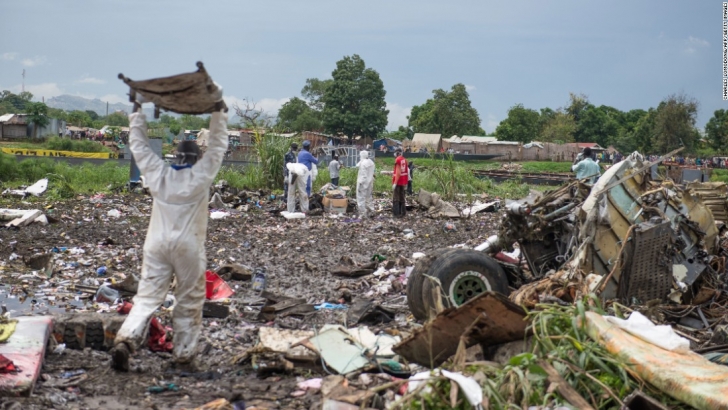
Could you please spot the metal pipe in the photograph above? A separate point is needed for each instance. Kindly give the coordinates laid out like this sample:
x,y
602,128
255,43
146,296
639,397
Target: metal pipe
x,y
489,246
560,211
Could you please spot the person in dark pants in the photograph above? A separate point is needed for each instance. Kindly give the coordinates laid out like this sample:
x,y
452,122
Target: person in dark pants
x,y
399,184
290,156
334,167
411,167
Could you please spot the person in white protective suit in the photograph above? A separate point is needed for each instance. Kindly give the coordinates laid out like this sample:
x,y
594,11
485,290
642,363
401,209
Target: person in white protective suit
x,y
365,184
298,175
175,242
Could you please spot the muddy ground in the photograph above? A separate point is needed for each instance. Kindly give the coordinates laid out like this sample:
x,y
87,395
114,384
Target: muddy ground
x,y
298,256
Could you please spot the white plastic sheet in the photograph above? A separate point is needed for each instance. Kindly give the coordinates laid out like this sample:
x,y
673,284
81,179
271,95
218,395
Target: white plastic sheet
x,y
661,336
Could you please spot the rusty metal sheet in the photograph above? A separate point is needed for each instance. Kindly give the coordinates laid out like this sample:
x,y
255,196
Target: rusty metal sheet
x,y
494,320
690,377
189,93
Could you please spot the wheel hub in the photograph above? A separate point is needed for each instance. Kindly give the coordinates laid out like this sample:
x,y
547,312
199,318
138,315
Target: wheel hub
x,y
466,286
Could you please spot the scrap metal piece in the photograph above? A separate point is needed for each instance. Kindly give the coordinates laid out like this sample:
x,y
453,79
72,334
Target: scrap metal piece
x,y
648,269
190,93
491,318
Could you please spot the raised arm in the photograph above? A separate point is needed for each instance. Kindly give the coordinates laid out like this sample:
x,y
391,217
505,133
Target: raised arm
x,y
206,169
149,163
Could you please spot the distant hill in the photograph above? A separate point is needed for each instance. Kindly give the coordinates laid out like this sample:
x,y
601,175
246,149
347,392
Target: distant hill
x,y
71,102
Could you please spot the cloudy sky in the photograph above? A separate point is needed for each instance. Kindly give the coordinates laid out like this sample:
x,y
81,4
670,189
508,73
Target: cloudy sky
x,y
627,54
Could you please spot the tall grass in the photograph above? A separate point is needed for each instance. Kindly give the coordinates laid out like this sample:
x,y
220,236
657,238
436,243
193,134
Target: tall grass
x,y
66,144
271,151
65,180
55,143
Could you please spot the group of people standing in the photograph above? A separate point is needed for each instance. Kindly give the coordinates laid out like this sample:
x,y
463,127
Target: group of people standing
x,y
300,171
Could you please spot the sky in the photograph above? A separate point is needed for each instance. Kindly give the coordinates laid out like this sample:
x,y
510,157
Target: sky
x,y
625,54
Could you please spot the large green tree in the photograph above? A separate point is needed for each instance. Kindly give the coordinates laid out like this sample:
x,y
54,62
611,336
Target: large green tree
x,y
522,124
717,130
37,115
354,101
559,128
675,124
448,113
598,124
314,92
297,115
117,119
79,118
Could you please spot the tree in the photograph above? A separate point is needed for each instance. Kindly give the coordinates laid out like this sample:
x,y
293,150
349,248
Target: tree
x,y
314,92
117,119
354,101
57,113
297,115
675,123
15,102
79,118
447,113
598,124
92,114
717,130
400,134
559,128
520,125
37,115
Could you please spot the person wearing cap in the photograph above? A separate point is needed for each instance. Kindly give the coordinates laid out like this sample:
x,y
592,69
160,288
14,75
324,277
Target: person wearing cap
x,y
586,168
287,159
307,159
399,184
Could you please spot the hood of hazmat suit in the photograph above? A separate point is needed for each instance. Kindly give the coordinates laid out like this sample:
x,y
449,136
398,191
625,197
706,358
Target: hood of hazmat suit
x,y
175,241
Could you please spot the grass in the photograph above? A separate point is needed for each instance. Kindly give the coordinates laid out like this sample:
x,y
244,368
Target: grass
x,y
65,180
56,143
560,342
448,178
719,175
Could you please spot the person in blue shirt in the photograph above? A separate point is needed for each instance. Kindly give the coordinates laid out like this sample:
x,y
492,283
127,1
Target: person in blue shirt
x,y
307,159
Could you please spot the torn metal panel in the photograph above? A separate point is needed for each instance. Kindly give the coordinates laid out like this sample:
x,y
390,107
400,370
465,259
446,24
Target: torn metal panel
x,y
491,318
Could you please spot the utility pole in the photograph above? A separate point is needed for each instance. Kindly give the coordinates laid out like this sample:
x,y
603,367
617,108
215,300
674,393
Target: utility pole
x,y
23,87
107,108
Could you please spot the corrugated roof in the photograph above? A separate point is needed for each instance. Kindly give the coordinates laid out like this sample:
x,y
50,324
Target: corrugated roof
x,y
426,139
477,138
6,117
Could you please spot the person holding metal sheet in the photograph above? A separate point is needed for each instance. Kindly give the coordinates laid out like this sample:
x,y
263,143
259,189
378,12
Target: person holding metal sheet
x,y
175,241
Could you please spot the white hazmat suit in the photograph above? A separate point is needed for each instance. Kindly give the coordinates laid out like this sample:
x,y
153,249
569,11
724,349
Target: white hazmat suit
x,y
298,186
365,184
175,241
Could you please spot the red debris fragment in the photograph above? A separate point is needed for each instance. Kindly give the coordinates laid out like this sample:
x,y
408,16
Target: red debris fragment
x,y
157,341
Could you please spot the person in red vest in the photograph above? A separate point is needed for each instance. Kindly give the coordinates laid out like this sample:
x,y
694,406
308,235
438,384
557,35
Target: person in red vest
x,y
399,184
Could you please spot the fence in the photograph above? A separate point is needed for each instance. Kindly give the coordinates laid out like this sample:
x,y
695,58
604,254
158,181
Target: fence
x,y
516,151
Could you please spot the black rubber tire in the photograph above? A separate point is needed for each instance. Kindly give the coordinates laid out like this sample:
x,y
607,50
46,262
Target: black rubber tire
x,y
95,335
70,338
415,282
451,265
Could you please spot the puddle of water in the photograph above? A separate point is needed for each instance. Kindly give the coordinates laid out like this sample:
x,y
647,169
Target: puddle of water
x,y
40,303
